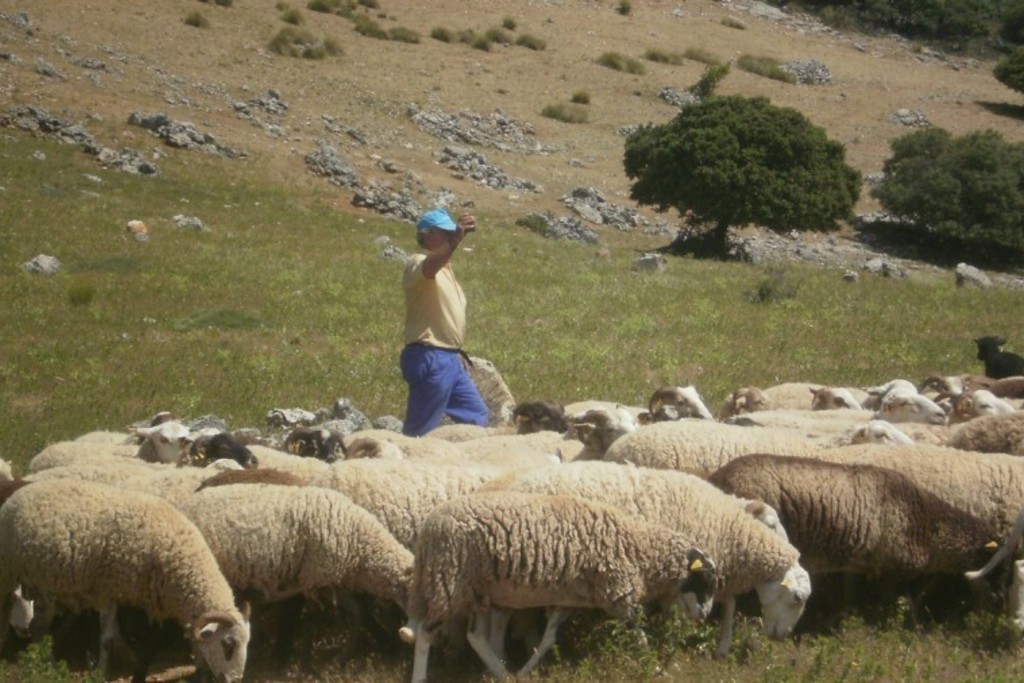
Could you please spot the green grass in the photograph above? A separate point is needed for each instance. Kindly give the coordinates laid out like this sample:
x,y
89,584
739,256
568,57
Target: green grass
x,y
573,112
295,42
765,66
620,62
286,303
663,57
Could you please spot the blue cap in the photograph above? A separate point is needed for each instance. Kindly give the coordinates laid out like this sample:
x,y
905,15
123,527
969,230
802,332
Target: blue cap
x,y
436,218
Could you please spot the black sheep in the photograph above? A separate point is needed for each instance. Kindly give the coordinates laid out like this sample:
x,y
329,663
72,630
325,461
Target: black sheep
x,y
998,364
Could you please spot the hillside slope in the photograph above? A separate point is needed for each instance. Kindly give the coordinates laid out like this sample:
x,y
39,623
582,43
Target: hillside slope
x,y
96,62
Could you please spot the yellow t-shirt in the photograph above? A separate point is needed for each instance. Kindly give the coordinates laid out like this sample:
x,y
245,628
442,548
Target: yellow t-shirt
x,y
435,309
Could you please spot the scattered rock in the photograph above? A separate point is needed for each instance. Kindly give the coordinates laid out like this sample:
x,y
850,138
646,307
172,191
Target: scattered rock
x,y
969,275
42,264
650,262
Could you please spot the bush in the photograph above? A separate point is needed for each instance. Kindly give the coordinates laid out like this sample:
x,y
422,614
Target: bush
x,y
531,42
81,294
221,3
508,23
765,66
662,57
1010,70
709,80
481,43
365,26
292,16
533,222
293,42
566,113
773,288
372,4
731,22
701,55
323,6
197,20
967,191
620,62
1011,28
443,34
499,36
580,97
403,35
624,8
468,36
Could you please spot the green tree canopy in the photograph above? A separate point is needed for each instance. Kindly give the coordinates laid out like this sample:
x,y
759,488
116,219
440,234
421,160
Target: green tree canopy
x,y
970,189
737,160
1010,70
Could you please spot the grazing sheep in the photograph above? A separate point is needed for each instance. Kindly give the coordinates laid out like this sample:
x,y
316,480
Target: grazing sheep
x,y
166,442
860,518
518,550
536,416
998,364
322,444
700,446
62,453
971,404
261,475
85,545
221,446
402,493
880,431
991,434
836,398
876,394
749,554
675,403
748,399
899,406
598,428
298,541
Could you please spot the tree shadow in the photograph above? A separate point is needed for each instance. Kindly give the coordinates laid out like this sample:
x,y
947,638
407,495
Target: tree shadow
x,y
1005,109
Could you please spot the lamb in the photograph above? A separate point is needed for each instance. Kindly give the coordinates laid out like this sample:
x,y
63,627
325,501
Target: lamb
x,y
297,541
860,518
991,434
744,537
308,442
519,550
998,363
747,399
675,403
699,445
206,449
401,494
85,545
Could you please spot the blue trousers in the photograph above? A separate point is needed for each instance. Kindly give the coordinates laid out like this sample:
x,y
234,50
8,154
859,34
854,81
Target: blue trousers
x,y
439,385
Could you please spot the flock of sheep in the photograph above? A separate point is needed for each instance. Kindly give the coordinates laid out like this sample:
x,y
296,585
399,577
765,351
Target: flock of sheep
x,y
464,532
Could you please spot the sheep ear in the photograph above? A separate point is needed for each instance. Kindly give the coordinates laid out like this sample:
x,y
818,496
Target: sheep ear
x,y
992,545
755,508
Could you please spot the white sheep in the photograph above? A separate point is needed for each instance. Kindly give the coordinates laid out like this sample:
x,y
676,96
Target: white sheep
x,y
85,545
700,445
517,551
899,405
675,403
598,428
307,468
62,453
402,493
977,403
991,434
552,444
789,395
746,399
464,432
166,442
880,431
837,398
277,542
744,537
408,446
876,394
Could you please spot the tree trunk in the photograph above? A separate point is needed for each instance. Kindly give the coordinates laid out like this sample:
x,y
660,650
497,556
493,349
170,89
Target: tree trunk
x,y
709,244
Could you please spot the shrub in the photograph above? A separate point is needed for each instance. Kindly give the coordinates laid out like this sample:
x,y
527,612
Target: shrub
x,y
774,287
566,113
221,3
467,36
372,4
620,62
531,42
533,222
709,80
662,57
765,66
499,36
701,55
1010,70
293,42
732,22
508,23
323,6
81,294
292,16
481,43
443,34
403,35
1011,28
624,8
581,97
197,20
365,26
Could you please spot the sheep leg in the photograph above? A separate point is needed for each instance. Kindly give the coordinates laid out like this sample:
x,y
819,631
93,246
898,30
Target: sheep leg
x,y
110,637
477,636
555,619
725,634
421,652
498,626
